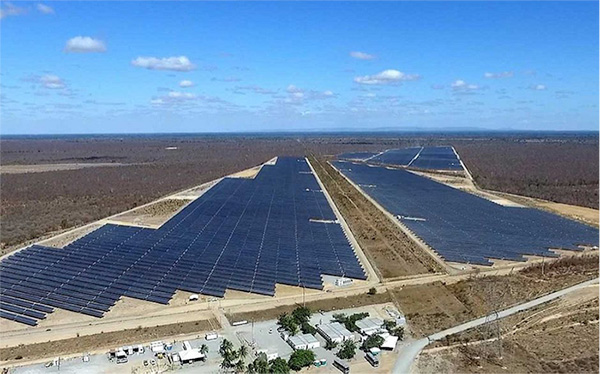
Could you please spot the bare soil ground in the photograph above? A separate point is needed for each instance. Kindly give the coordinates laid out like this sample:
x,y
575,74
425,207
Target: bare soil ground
x,y
59,241
20,169
561,336
392,253
433,307
153,215
104,340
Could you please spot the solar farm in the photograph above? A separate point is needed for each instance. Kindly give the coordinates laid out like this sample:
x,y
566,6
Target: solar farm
x,y
241,234
428,158
462,227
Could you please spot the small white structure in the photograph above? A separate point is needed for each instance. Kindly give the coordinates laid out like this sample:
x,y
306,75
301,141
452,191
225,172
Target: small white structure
x,y
211,336
370,325
157,347
303,341
190,354
193,297
390,343
340,282
335,332
270,355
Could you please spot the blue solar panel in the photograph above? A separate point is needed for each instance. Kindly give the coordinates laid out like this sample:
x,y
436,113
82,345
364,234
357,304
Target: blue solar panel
x,y
437,158
463,227
359,156
400,157
243,234
430,158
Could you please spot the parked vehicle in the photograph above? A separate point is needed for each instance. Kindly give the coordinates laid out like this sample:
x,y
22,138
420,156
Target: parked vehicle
x,y
342,365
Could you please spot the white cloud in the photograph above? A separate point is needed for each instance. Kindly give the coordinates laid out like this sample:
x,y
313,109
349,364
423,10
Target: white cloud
x,y
10,9
461,85
84,44
389,76
186,83
502,74
293,89
180,63
181,95
173,98
362,55
51,81
538,87
256,89
227,79
42,8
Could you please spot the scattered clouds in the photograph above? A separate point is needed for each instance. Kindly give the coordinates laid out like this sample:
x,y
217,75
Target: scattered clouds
x,y
389,76
242,90
9,9
502,74
180,63
186,83
45,9
538,87
298,96
227,79
84,44
362,55
461,85
49,81
173,97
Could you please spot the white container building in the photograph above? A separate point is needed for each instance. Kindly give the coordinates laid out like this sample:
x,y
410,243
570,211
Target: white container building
x,y
335,332
303,341
370,325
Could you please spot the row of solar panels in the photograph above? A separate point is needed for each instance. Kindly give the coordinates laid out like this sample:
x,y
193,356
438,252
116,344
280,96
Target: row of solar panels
x,y
241,234
463,227
429,158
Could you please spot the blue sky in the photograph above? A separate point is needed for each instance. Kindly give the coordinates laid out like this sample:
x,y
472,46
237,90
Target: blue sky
x,y
98,67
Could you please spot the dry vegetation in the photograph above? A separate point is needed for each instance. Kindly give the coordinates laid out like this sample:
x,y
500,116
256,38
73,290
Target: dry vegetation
x,y
324,305
559,337
433,307
563,170
106,340
391,252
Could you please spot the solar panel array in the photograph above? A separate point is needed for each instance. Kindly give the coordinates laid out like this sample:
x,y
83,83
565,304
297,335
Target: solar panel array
x,y
360,156
242,234
437,158
430,158
400,157
463,227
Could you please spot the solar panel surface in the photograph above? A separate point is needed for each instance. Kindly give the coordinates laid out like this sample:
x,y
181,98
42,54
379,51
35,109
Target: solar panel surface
x,y
430,158
242,234
463,227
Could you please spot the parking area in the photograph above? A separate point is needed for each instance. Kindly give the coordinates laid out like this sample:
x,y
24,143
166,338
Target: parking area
x,y
259,337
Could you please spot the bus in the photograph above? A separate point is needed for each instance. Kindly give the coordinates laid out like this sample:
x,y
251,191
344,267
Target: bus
x,y
373,360
342,365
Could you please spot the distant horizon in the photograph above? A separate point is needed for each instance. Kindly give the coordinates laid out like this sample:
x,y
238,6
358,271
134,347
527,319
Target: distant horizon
x,y
321,132
180,67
